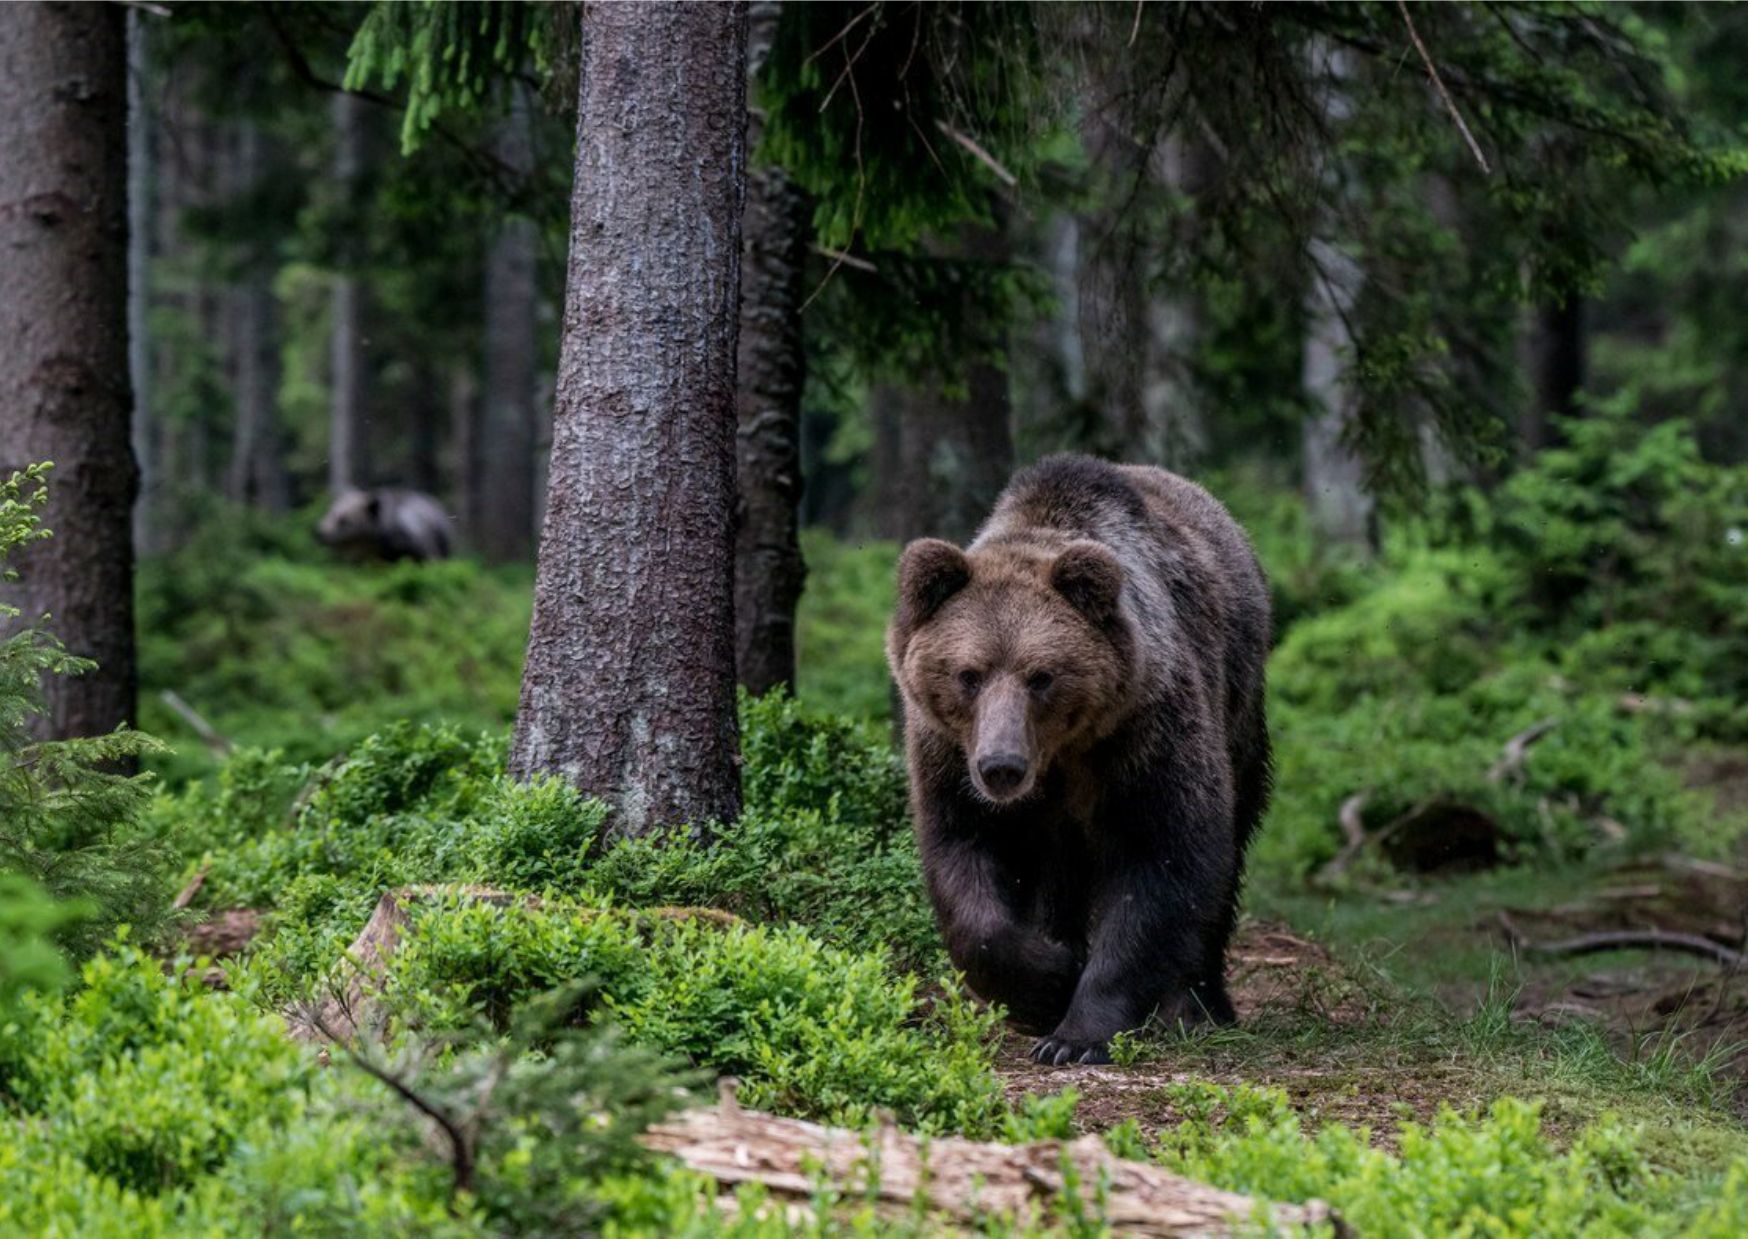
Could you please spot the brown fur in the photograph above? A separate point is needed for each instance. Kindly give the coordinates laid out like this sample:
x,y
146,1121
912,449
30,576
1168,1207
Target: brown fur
x,y
386,524
1088,754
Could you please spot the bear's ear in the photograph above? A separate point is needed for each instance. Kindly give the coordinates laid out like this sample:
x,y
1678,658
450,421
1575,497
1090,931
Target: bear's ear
x,y
929,572
373,506
1089,576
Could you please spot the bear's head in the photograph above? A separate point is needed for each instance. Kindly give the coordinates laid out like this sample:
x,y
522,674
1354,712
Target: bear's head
x,y
352,519
1017,653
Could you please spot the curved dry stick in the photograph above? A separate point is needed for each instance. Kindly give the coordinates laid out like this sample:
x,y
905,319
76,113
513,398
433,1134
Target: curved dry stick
x,y
1516,751
1636,940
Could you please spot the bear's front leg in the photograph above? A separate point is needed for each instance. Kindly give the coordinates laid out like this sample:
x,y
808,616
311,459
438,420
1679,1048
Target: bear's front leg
x,y
1004,958
1153,926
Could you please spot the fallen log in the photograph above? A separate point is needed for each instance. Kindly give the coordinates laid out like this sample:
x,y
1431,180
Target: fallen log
x,y
961,1181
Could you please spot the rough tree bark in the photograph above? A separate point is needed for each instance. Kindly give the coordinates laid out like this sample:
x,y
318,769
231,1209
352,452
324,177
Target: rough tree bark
x,y
64,392
769,572
346,428
505,446
628,689
1334,476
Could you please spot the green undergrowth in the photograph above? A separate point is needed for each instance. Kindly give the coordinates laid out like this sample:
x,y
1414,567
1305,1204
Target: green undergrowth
x,y
278,644
1491,1171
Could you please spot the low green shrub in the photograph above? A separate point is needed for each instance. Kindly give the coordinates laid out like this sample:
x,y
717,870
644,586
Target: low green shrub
x,y
280,645
810,1029
1496,1173
70,830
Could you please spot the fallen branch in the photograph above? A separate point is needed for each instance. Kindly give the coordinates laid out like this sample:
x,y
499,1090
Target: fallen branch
x,y
1516,750
1632,940
965,1181
186,895
208,734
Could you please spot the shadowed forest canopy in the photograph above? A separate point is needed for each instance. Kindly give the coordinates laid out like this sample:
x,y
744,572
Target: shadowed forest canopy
x,y
454,464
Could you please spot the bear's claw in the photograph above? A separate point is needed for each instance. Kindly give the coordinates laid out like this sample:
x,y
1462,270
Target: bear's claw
x,y
1061,1051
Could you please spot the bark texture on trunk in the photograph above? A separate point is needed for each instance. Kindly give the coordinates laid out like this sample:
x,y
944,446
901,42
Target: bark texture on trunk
x,y
769,572
64,393
628,690
347,465
506,445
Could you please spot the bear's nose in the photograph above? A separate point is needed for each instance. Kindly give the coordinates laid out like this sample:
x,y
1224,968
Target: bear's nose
x,y
1002,772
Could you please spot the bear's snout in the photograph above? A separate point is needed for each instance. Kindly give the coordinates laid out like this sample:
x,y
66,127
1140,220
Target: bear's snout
x,y
1002,774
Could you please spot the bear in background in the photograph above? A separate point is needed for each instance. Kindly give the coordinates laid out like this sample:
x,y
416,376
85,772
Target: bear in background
x,y
1084,724
386,524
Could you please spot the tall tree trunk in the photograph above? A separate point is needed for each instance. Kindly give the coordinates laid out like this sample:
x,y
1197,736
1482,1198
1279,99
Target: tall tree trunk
x,y
64,393
425,411
139,250
768,569
1334,476
257,468
464,438
506,444
886,494
1556,365
628,690
957,452
347,464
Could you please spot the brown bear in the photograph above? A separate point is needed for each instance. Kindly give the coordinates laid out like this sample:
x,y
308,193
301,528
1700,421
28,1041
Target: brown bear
x,y
1083,710
386,524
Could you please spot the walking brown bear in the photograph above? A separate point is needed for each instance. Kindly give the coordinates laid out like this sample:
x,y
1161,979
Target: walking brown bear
x,y
1083,696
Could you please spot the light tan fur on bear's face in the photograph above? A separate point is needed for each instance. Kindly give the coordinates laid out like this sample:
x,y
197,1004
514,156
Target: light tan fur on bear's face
x,y
989,650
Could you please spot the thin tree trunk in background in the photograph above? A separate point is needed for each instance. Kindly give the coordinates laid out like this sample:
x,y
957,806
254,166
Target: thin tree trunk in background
x,y
64,393
139,249
885,495
957,453
257,467
772,372
1334,476
425,413
628,690
506,445
347,465
464,440
1557,368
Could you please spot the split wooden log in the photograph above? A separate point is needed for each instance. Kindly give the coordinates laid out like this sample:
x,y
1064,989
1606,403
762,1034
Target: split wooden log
x,y
962,1181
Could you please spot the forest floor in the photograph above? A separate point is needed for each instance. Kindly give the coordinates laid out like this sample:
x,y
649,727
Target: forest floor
x,y
1376,1008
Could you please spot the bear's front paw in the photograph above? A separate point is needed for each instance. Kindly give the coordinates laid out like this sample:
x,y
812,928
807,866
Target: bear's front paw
x,y
1059,1051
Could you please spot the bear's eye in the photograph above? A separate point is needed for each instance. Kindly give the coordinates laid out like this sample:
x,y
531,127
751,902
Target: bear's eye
x,y
1040,681
970,681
